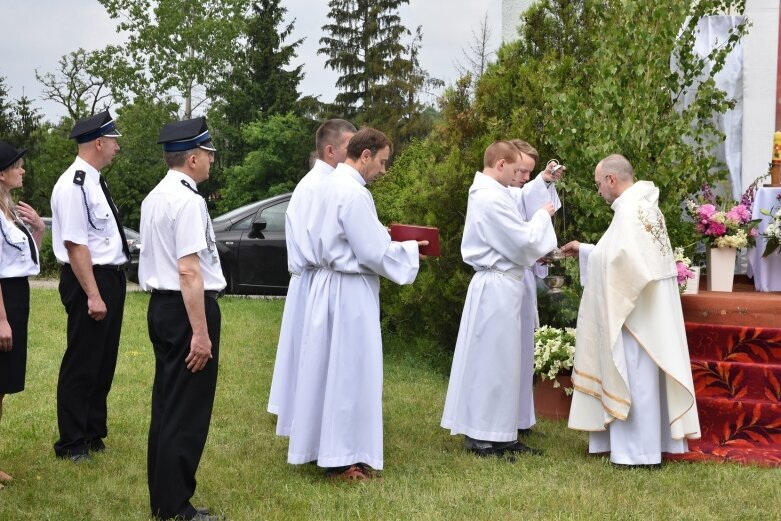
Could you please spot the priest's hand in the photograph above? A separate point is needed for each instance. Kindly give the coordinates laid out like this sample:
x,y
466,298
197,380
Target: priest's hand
x,y
571,249
548,207
422,243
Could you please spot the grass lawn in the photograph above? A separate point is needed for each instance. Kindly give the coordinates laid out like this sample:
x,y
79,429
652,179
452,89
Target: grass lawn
x,y
243,472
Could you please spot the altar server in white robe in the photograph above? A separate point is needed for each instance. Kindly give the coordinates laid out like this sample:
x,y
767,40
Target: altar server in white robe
x,y
633,384
483,396
337,414
331,147
530,196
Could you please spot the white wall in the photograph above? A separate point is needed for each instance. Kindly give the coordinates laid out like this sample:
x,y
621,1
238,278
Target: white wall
x,y
760,60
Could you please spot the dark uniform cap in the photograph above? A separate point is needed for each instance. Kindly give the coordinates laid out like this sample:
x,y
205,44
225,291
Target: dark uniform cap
x,y
186,135
93,127
9,154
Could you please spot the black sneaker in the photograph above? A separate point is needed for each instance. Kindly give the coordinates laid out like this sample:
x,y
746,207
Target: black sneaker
x,y
519,448
650,466
77,458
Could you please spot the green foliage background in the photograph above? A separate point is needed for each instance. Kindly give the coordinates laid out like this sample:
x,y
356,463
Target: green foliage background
x,y
587,78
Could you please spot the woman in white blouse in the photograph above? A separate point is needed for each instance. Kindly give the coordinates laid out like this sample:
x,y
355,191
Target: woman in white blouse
x,y
21,230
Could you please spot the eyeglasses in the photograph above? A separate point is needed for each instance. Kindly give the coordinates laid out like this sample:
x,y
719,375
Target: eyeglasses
x,y
604,178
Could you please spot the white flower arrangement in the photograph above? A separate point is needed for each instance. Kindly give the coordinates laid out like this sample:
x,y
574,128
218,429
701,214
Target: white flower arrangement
x,y
772,233
554,352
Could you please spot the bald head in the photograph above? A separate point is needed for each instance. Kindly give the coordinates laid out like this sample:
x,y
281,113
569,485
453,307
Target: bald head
x,y
619,166
613,175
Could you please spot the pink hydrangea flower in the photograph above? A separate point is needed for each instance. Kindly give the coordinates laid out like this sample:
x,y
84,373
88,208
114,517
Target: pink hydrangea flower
x,y
716,229
739,213
684,273
706,211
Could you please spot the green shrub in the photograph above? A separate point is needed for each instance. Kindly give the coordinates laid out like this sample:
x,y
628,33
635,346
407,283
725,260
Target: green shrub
x,y
425,190
49,266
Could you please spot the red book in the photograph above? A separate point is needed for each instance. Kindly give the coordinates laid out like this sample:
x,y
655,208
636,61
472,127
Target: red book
x,y
411,232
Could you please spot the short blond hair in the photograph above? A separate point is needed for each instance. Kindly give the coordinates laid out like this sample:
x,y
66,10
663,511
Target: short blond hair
x,y
527,149
499,150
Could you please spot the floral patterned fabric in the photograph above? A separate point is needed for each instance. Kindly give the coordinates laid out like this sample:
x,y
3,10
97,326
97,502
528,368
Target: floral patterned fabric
x,y
737,380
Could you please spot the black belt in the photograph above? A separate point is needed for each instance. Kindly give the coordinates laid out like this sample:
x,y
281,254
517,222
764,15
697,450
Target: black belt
x,y
108,267
212,294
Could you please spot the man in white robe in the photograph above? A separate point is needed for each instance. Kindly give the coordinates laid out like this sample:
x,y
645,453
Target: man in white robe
x,y
634,391
337,413
483,396
530,196
331,148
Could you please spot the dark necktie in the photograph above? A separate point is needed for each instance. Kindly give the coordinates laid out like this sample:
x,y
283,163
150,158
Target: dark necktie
x,y
113,207
33,251
209,243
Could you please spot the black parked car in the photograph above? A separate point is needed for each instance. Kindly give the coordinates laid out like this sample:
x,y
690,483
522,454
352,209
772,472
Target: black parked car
x,y
251,244
133,243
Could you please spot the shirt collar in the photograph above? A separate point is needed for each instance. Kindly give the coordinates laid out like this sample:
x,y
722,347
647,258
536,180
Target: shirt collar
x,y
177,176
351,172
90,170
322,166
486,181
645,190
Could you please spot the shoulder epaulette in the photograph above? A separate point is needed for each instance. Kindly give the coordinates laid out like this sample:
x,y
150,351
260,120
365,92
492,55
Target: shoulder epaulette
x,y
193,190
78,178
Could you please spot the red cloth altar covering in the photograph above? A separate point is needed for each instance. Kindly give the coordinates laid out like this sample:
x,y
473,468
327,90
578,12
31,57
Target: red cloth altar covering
x,y
735,350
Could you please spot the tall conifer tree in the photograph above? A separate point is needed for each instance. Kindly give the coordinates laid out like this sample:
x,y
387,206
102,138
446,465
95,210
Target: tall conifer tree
x,y
381,77
261,83
6,116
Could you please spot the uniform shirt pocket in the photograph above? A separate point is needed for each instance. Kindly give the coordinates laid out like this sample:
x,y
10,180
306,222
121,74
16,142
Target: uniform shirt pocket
x,y
15,243
101,219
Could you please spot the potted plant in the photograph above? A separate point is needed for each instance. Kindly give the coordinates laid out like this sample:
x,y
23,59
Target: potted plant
x,y
724,232
554,353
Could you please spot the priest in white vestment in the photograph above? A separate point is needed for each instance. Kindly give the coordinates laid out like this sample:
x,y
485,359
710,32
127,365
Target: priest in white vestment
x,y
331,147
530,196
634,391
483,396
337,413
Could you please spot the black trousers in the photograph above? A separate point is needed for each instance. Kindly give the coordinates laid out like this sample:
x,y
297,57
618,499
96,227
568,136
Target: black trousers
x,y
13,363
182,404
87,368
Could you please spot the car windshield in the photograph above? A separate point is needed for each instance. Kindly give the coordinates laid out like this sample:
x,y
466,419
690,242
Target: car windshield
x,y
238,212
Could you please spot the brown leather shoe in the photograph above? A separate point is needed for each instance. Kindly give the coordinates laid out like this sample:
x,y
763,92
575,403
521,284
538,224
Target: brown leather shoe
x,y
357,472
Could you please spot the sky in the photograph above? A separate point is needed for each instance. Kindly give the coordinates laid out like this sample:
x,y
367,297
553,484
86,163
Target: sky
x,y
36,33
